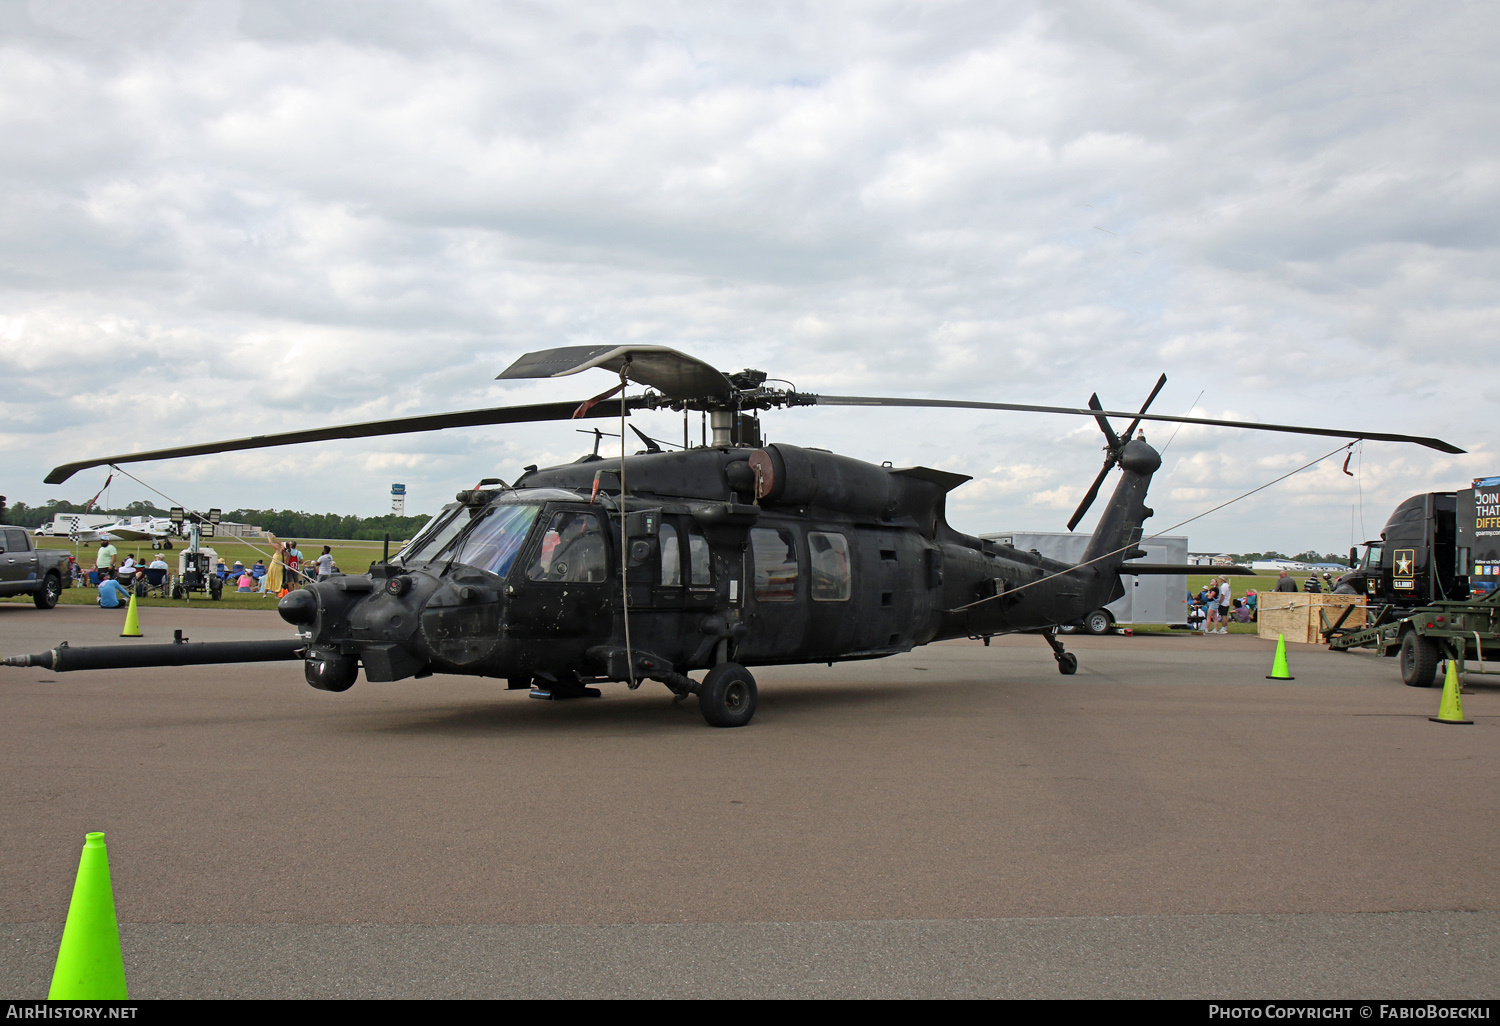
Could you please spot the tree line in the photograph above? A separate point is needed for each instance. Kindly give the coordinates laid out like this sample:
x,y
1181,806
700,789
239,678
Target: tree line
x,y
1310,556
282,523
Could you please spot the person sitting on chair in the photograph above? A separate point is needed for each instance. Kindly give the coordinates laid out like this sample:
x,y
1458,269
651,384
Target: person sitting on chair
x,y
156,575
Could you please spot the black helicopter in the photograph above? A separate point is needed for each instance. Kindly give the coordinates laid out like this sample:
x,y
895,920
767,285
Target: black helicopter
x,y
714,558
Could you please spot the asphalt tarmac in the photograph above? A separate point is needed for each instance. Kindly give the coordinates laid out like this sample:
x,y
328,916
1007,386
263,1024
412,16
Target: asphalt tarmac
x,y
961,821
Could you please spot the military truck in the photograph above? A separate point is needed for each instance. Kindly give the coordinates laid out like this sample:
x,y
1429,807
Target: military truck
x,y
1436,547
26,570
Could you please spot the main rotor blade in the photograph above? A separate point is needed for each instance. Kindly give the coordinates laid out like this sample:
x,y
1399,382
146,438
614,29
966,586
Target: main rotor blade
x,y
1093,493
1130,431
399,426
1104,425
673,374
958,404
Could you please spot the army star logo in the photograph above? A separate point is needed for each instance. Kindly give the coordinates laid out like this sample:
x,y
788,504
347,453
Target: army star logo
x,y
1403,562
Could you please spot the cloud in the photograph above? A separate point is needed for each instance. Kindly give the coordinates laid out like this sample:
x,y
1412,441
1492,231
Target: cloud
x,y
224,218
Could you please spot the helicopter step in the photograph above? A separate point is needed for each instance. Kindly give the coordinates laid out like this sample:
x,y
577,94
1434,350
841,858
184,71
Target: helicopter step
x,y
551,688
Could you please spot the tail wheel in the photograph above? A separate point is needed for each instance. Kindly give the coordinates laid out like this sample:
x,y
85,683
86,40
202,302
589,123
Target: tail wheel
x,y
727,696
1419,659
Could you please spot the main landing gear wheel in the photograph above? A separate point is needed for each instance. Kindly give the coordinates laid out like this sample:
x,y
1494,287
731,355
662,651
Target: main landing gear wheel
x,y
1419,659
727,696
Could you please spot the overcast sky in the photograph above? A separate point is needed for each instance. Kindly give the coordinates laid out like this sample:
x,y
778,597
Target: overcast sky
x,y
228,218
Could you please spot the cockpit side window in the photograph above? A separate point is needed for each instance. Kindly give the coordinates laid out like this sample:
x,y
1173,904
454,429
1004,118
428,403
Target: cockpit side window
x,y
699,564
671,557
572,549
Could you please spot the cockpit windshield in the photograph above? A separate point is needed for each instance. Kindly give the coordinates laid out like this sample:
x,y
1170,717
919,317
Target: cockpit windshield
x,y
1372,558
437,532
495,538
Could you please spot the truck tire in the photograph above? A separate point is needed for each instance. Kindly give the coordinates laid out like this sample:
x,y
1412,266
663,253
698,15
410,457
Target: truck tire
x,y
1419,659
47,595
1098,622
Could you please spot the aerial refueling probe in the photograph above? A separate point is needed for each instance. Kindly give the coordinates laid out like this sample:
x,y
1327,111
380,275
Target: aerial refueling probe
x,y
123,657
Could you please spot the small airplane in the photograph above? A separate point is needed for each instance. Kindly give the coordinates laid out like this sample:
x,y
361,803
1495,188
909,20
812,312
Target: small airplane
x,y
159,531
716,557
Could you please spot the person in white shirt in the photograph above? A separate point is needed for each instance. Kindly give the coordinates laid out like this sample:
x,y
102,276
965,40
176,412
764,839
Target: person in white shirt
x,y
325,563
1225,601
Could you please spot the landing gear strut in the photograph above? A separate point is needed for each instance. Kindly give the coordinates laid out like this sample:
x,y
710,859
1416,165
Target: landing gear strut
x,y
1067,662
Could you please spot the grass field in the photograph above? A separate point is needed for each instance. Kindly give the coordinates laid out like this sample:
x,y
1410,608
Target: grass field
x,y
350,556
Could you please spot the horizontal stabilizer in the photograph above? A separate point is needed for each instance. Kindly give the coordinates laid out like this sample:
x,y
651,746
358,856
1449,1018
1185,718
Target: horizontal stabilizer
x,y
943,479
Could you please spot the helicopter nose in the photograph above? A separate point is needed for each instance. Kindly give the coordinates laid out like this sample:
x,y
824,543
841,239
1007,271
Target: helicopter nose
x,y
298,607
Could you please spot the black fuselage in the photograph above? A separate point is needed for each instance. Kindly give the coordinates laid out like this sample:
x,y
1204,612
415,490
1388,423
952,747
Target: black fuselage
x,y
780,555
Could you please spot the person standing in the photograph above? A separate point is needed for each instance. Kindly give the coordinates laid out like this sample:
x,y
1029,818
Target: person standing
x,y
1226,599
325,564
1209,596
1285,583
105,563
294,560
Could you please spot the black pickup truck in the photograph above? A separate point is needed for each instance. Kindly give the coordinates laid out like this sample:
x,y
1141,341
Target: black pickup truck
x,y
27,570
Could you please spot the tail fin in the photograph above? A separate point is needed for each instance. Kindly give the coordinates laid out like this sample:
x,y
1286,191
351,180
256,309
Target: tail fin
x,y
1114,540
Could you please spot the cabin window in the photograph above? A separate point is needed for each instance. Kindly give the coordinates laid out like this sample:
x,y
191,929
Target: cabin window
x,y
493,542
698,561
572,549
828,559
671,557
775,551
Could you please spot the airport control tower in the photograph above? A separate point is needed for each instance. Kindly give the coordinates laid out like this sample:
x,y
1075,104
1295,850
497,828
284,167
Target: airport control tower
x,y
398,500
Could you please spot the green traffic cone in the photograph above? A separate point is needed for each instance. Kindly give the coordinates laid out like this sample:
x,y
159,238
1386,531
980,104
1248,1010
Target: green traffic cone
x,y
132,621
89,965
1278,668
1451,709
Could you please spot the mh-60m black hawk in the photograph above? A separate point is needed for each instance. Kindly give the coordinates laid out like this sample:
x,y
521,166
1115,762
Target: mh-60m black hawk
x,y
716,558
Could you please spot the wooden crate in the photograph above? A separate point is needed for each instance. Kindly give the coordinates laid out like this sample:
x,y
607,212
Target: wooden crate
x,y
1295,614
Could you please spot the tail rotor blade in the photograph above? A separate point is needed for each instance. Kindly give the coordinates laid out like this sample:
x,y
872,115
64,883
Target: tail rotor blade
x,y
1093,493
1130,431
1109,432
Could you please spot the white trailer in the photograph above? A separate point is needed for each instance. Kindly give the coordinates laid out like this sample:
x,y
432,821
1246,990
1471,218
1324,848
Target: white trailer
x,y
1148,598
